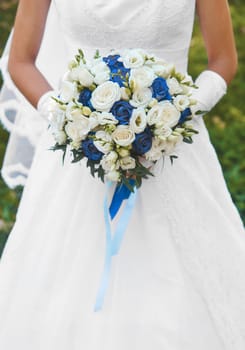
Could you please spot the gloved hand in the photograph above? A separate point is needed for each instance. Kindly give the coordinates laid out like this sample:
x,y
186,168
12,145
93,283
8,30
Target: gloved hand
x,y
45,105
211,88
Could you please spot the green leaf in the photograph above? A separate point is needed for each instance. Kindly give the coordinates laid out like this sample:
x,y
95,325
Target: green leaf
x,y
172,157
187,140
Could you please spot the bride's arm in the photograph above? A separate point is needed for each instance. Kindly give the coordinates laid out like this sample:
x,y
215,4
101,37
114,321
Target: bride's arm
x,y
216,27
28,32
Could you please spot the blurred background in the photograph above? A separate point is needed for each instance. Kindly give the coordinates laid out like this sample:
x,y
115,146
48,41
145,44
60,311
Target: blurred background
x,y
225,123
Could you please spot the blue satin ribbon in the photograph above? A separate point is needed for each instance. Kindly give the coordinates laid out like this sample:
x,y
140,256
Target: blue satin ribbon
x,y
121,192
113,242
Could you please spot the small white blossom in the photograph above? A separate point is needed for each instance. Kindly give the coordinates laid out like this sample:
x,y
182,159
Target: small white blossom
x,y
138,120
174,86
106,118
181,102
68,91
127,163
113,176
133,58
60,137
77,130
103,141
141,77
109,162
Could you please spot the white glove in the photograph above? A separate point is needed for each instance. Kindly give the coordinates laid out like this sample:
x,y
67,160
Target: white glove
x,y
45,104
211,88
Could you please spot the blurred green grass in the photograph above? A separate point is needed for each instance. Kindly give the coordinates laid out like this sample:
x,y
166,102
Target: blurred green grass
x,y
225,122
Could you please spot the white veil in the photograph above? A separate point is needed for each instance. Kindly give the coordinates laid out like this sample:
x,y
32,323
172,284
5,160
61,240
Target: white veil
x,y
17,116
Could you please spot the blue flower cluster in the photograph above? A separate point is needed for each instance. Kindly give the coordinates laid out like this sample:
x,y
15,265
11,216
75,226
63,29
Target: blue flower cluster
x,y
118,71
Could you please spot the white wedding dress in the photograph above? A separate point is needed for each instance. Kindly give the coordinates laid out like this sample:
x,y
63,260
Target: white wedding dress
x,y
178,282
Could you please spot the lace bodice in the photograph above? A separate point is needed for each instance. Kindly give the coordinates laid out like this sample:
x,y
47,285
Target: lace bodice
x,y
163,27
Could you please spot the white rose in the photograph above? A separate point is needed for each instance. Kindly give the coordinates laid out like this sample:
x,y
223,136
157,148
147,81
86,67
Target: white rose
x,y
127,163
163,114
174,86
77,130
101,77
68,91
138,120
109,161
103,141
163,132
105,95
133,58
141,77
60,137
123,135
141,97
107,118
113,176
181,102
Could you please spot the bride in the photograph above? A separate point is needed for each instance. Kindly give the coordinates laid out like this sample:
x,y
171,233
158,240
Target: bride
x,y
178,281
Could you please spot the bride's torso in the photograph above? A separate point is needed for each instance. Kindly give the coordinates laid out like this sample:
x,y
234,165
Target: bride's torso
x,y
163,27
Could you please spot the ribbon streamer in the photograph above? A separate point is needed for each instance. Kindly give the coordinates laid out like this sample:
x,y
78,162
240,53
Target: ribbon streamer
x,y
113,242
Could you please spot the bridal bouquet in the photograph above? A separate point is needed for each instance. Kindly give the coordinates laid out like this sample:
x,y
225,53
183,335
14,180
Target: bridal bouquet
x,y
122,113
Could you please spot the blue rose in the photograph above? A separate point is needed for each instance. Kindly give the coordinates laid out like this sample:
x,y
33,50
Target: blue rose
x,y
90,151
118,71
122,110
84,97
142,142
160,89
186,113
